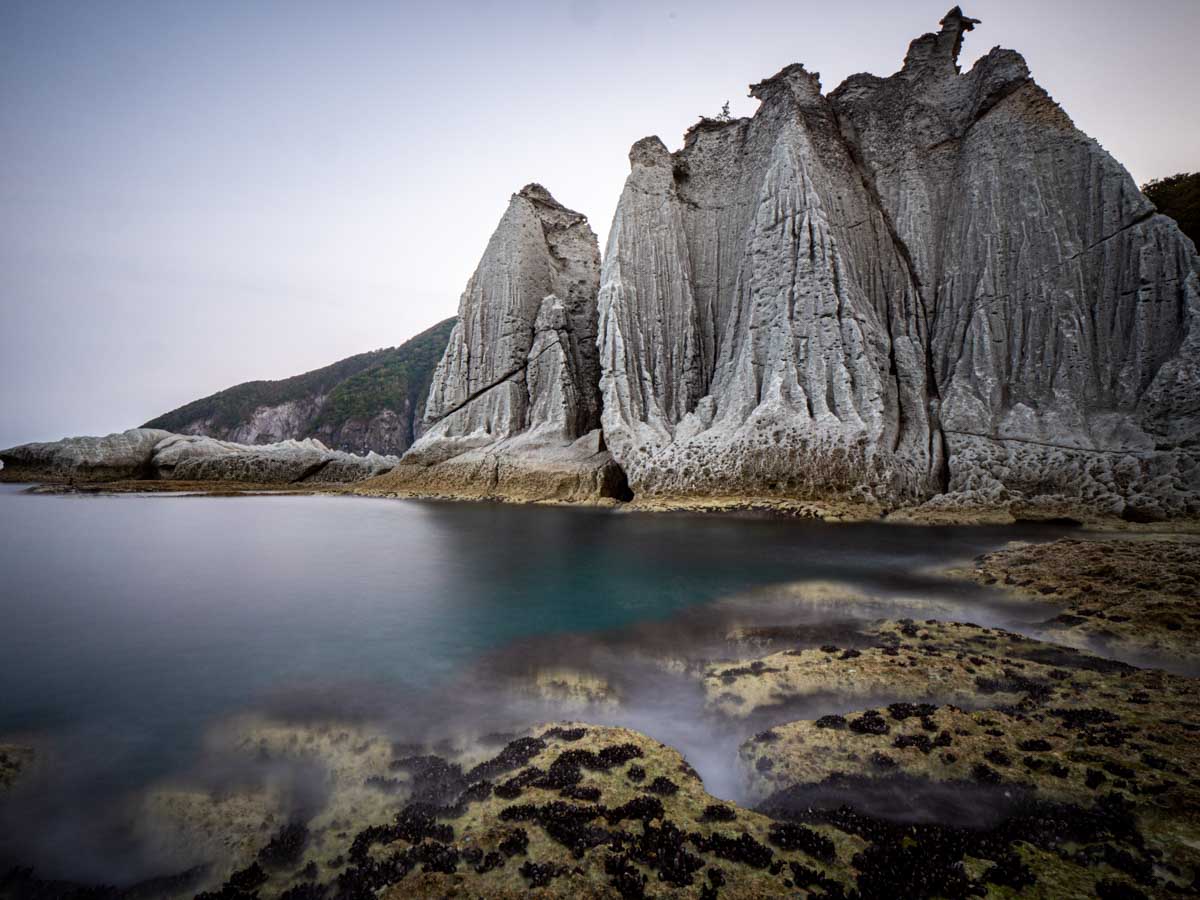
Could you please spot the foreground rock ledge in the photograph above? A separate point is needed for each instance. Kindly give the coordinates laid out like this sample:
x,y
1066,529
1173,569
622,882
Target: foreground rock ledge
x,y
959,760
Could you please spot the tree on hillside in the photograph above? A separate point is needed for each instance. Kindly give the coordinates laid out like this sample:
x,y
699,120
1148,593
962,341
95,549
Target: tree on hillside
x,y
1178,197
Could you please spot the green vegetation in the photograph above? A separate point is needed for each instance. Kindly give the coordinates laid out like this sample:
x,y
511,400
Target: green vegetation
x,y
357,388
1178,197
398,379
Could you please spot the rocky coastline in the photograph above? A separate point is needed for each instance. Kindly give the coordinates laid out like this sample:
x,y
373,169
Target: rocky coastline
x,y
156,457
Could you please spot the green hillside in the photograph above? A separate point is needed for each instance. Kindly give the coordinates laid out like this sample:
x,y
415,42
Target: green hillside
x,y
358,393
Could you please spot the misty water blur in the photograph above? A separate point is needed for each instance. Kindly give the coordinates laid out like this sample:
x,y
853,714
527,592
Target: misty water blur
x,y
136,625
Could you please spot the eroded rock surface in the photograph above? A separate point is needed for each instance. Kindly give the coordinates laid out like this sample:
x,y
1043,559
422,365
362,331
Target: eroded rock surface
x,y
761,332
14,759
151,454
1063,309
514,409
115,456
913,285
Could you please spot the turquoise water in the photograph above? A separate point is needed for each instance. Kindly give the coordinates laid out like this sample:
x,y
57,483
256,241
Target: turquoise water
x,y
132,623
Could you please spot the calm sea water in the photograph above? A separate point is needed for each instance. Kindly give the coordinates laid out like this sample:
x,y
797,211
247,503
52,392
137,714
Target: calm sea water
x,y
132,623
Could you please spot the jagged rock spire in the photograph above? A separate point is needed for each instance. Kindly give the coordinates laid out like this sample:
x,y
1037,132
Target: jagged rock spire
x,y
514,407
540,248
939,52
954,24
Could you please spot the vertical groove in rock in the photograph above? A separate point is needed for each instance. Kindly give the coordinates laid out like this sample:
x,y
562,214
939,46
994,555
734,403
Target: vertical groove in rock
x,y
919,284
783,264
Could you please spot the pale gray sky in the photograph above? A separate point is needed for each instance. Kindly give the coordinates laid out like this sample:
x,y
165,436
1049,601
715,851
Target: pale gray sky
x,y
194,194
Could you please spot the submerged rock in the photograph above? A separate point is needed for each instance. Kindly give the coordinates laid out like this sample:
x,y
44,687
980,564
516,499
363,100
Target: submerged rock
x,y
514,410
14,760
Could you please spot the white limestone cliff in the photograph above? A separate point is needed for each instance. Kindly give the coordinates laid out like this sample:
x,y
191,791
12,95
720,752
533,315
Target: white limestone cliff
x,y
514,409
925,285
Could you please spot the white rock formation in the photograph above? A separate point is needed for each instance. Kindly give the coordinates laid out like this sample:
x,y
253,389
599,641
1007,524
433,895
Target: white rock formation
x,y
761,331
124,455
925,283
513,411
1065,312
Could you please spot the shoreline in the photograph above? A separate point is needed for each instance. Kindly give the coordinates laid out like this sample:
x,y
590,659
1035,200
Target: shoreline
x,y
830,511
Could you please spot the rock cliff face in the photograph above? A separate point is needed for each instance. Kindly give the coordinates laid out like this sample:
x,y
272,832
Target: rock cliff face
x,y
153,454
926,289
919,284
372,402
761,331
514,409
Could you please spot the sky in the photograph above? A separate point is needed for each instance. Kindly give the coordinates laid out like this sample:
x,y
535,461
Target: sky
x,y
195,194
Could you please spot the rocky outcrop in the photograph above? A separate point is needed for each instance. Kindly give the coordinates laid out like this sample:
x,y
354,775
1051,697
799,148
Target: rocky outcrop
x,y
761,331
918,284
1064,337
514,410
372,402
126,455
152,454
924,292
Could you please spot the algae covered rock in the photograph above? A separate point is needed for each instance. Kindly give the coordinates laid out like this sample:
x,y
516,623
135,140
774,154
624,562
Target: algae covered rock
x,y
1137,596
925,284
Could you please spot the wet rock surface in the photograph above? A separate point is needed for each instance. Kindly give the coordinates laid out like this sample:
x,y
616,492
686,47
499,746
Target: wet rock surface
x,y
1076,772
626,843
14,759
949,759
907,661
1137,595
1005,801
514,409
